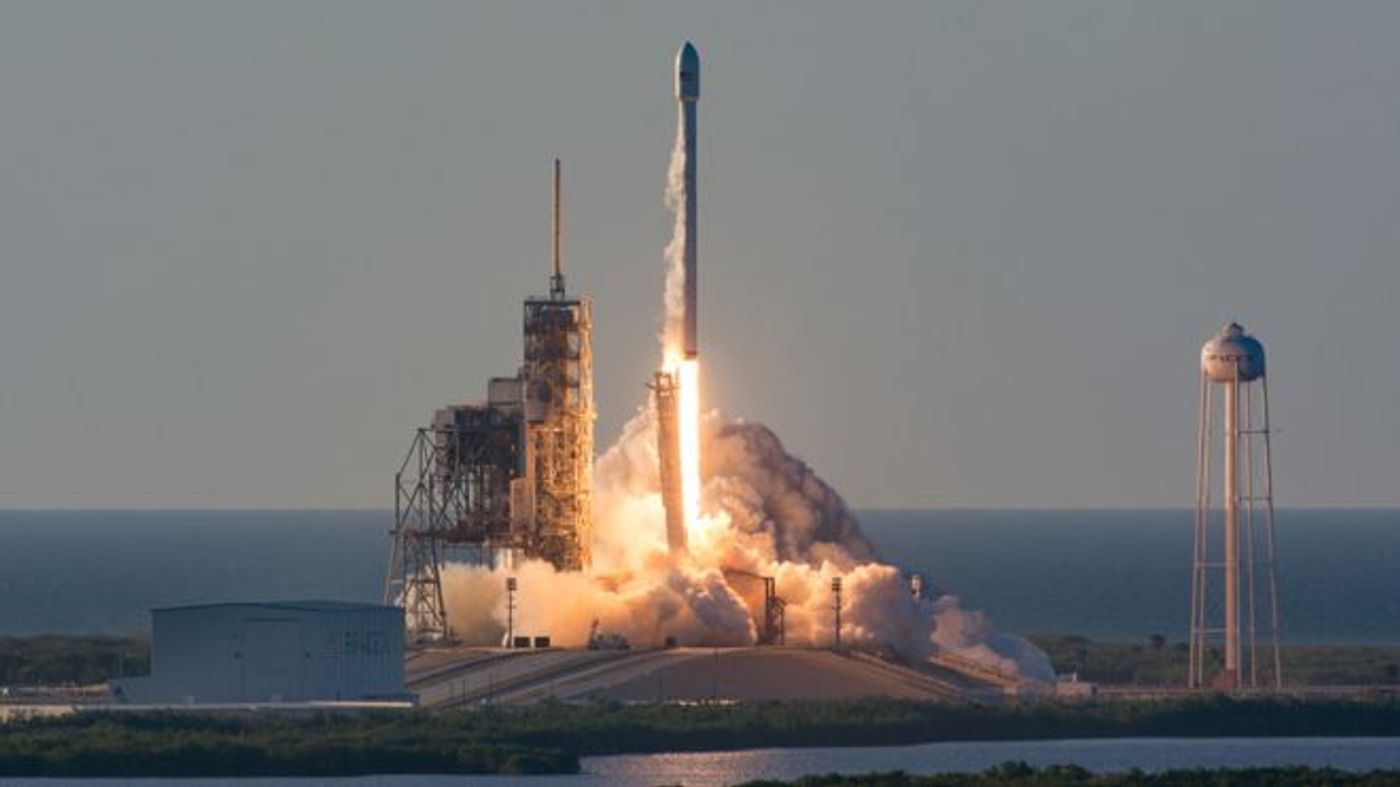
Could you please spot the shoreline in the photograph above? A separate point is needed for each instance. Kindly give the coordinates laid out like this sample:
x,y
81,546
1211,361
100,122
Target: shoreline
x,y
555,737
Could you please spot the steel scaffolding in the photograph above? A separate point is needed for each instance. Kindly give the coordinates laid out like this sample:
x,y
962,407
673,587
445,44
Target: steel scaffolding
x,y
509,479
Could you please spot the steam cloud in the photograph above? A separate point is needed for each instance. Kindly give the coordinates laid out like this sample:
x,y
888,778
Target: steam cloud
x,y
764,513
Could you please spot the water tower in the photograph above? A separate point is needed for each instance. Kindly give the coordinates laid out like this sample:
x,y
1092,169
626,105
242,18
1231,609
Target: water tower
x,y
1233,559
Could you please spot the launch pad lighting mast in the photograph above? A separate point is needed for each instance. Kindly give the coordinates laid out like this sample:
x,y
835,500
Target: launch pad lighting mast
x,y
836,612
1233,558
510,611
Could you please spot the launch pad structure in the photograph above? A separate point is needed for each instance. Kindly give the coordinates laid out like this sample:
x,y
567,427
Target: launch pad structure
x,y
505,480
510,479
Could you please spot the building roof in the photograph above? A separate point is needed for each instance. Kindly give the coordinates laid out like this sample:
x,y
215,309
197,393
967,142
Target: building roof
x,y
301,605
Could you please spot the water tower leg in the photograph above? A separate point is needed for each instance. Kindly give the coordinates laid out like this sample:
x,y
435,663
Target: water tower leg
x,y
1232,535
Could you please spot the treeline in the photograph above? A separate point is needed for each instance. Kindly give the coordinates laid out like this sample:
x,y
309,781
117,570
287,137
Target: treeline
x,y
611,728
1022,775
1155,662
550,738
188,745
56,660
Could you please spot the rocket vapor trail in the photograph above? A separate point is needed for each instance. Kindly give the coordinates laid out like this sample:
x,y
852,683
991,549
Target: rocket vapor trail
x,y
751,509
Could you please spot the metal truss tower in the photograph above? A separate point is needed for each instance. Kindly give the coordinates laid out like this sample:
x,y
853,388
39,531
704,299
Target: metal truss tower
x,y
509,479
559,415
451,495
557,489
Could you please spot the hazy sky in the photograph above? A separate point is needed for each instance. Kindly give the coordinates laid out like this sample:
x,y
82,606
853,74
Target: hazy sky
x,y
956,254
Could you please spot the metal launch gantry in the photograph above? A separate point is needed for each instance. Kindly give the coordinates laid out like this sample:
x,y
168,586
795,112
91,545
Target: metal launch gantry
x,y
559,415
507,480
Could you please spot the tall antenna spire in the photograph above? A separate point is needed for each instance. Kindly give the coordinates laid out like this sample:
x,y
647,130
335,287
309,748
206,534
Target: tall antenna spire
x,y
556,281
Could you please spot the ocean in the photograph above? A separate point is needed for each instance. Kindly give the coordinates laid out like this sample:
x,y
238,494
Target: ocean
x,y
1111,575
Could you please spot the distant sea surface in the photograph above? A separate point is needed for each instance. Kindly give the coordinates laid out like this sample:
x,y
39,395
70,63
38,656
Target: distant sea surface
x,y
1111,575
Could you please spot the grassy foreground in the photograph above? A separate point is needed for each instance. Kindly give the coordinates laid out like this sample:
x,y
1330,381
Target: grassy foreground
x,y
1020,775
1157,663
550,738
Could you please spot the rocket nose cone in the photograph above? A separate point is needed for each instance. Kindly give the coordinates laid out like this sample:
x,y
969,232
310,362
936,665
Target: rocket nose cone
x,y
688,73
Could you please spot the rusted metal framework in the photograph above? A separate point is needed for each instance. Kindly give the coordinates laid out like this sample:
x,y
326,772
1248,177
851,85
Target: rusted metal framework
x,y
452,493
559,414
508,479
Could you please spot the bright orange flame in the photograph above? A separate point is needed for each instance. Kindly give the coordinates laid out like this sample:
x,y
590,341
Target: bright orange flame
x,y
689,405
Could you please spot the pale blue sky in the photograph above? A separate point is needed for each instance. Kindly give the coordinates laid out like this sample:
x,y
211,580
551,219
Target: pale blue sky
x,y
957,254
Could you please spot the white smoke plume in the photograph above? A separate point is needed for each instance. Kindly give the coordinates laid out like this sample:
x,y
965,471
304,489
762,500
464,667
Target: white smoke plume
x,y
764,513
674,294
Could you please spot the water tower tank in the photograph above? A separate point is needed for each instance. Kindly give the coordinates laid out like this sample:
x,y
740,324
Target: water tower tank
x,y
1232,355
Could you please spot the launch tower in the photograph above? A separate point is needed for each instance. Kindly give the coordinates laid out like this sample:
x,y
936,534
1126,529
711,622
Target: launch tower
x,y
507,479
552,501
1234,555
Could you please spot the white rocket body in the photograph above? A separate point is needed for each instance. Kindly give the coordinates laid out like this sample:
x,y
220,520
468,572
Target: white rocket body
x,y
688,94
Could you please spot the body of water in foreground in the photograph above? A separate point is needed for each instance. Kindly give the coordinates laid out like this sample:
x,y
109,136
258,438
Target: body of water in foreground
x,y
725,768
1111,575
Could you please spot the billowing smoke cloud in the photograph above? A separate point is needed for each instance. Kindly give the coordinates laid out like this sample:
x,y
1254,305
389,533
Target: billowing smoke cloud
x,y
764,513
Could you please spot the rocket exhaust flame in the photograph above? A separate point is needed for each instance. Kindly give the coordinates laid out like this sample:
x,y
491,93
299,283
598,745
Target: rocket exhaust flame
x,y
688,376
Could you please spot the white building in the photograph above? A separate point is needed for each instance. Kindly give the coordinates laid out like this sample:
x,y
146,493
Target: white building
x,y
281,651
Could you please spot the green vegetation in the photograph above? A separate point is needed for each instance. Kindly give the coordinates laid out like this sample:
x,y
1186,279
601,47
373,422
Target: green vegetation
x,y
53,660
550,738
1157,663
191,745
1022,775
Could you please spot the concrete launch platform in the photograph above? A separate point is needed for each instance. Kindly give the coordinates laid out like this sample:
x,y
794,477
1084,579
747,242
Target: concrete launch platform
x,y
465,676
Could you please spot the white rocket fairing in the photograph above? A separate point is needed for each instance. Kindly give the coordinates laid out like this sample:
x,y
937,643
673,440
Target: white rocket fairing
x,y
688,94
